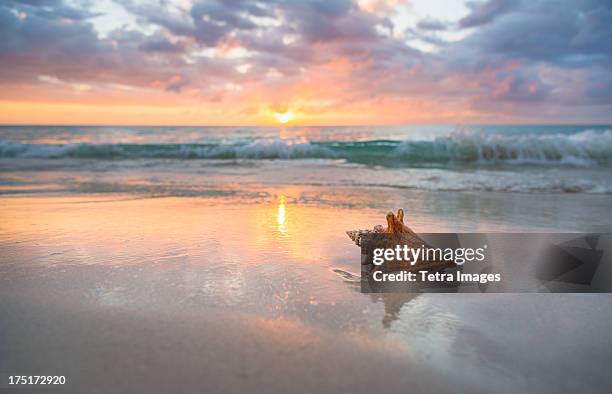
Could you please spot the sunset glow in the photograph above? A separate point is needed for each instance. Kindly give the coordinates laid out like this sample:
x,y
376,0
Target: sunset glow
x,y
337,62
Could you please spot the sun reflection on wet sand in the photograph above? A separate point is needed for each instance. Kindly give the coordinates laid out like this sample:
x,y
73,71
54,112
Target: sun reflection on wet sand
x,y
267,253
280,216
117,230
270,257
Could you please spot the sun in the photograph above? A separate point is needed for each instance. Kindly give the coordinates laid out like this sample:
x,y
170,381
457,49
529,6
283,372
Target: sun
x,y
284,117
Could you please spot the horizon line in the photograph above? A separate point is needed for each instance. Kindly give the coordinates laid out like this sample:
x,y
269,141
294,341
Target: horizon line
x,y
457,124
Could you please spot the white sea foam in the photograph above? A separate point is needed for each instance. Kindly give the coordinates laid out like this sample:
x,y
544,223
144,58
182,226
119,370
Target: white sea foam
x,y
587,148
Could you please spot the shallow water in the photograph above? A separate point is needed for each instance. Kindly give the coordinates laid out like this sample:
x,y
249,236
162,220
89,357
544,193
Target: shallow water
x,y
165,293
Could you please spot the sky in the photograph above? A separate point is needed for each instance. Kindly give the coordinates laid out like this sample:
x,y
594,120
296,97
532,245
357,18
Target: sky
x,y
311,62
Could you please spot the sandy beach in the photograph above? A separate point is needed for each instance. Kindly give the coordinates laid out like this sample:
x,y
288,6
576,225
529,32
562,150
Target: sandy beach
x,y
123,292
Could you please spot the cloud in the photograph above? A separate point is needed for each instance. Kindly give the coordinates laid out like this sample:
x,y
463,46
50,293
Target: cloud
x,y
432,24
323,55
561,33
160,43
484,12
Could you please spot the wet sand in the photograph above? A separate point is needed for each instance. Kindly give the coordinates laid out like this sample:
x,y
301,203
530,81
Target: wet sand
x,y
187,294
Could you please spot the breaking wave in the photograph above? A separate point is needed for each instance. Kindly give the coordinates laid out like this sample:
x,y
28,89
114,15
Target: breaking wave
x,y
587,148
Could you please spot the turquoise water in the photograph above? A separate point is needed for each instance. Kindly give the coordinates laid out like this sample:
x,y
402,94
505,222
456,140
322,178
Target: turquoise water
x,y
410,146
499,158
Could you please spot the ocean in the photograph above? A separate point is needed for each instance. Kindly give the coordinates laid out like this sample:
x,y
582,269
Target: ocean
x,y
500,158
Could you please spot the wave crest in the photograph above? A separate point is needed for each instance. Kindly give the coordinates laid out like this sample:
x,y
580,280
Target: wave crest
x,y
584,149
276,149
587,148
